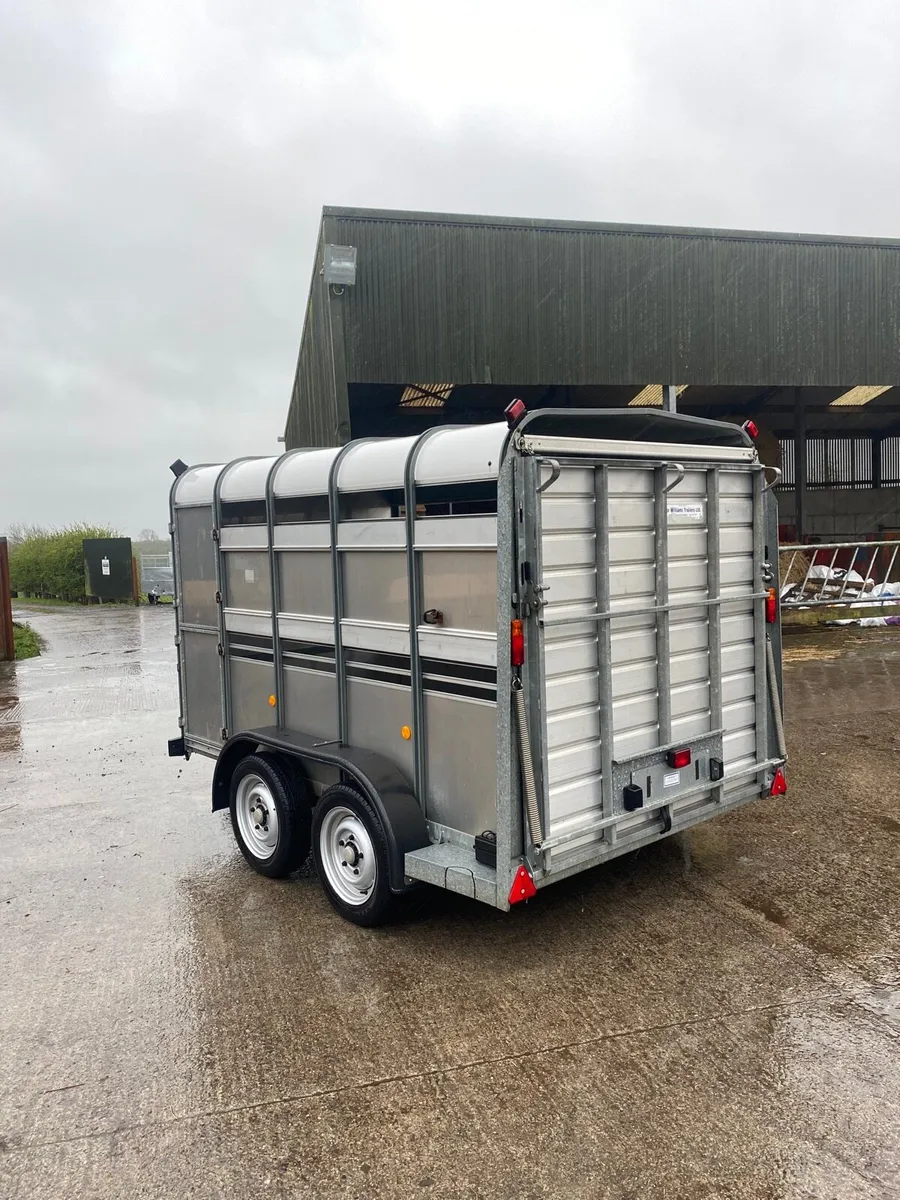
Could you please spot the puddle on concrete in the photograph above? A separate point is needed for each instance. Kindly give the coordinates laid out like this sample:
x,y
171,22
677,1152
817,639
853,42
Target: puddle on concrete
x,y
884,1001
771,912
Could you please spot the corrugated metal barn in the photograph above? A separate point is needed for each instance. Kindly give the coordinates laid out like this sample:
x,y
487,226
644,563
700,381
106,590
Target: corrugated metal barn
x,y
448,317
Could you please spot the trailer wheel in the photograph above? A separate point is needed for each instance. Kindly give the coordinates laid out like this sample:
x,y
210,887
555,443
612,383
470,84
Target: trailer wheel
x,y
350,853
270,820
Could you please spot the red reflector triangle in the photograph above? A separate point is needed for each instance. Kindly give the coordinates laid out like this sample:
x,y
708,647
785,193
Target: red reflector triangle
x,y
522,887
779,784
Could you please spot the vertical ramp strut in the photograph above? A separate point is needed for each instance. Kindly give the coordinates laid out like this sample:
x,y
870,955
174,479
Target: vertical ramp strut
x,y
714,609
663,672
604,645
759,623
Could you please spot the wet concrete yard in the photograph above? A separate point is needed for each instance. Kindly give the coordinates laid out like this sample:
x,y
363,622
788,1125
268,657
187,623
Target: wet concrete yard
x,y
716,1017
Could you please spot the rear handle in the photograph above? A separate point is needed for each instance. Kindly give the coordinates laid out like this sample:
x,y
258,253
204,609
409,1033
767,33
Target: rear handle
x,y
776,477
554,475
679,475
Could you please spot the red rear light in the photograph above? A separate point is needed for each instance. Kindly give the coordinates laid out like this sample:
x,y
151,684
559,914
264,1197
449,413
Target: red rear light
x,y
522,886
679,758
779,784
514,412
771,607
516,643
752,428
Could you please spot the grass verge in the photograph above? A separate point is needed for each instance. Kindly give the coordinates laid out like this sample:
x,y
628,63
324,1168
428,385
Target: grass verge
x,y
27,642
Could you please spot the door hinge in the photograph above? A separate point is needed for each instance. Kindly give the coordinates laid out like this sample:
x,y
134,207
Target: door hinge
x,y
215,535
221,649
218,597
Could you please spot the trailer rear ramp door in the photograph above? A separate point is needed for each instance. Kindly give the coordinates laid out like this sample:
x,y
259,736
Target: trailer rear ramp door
x,y
646,640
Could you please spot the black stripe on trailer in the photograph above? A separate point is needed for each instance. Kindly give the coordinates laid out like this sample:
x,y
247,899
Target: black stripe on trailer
x,y
241,654
307,663
443,687
377,658
358,671
258,640
449,687
317,649
471,672
459,670
466,680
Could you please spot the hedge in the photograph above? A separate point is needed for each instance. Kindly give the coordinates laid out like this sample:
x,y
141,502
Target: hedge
x,y
50,562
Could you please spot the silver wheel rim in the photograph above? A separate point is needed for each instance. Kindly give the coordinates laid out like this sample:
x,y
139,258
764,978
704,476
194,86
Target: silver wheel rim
x,y
348,856
257,816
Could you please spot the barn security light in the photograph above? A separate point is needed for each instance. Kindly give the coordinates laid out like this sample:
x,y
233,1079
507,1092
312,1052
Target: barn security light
x,y
340,265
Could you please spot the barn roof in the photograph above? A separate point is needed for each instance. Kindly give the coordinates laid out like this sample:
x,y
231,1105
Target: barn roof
x,y
451,315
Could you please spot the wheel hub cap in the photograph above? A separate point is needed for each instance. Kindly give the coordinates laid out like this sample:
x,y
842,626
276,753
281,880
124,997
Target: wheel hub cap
x,y
350,855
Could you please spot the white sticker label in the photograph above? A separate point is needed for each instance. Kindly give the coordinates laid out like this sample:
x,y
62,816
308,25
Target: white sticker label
x,y
249,575
687,512
672,780
104,565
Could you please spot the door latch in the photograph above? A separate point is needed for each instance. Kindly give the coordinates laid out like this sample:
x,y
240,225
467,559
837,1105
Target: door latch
x,y
534,600
531,591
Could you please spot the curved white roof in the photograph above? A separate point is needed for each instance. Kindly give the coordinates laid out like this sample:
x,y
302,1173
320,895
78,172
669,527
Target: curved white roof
x,y
469,454
375,466
246,480
304,472
196,485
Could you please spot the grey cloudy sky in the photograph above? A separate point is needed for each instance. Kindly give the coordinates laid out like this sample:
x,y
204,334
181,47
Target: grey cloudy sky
x,y
163,164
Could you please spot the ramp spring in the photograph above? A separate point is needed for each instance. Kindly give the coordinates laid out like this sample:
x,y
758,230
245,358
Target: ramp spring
x,y
528,784
776,699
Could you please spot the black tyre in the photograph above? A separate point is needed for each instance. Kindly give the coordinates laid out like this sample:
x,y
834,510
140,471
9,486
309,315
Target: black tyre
x,y
270,816
350,852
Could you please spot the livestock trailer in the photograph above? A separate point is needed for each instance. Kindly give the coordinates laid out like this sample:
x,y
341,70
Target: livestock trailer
x,y
483,658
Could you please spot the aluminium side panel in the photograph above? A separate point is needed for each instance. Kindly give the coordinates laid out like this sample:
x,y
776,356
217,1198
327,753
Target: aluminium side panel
x,y
457,656
306,627
249,640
